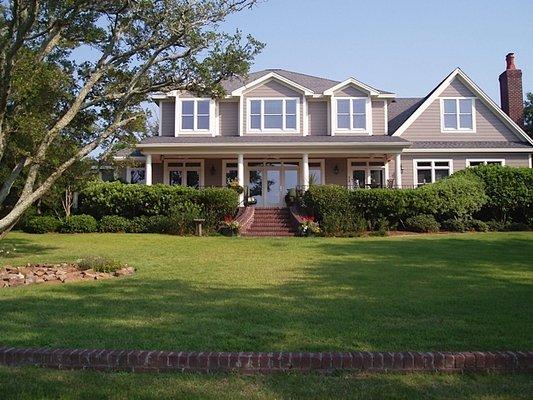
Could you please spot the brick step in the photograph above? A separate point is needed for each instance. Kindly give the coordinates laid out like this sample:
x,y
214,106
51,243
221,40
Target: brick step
x,y
271,220
273,232
272,215
271,225
269,234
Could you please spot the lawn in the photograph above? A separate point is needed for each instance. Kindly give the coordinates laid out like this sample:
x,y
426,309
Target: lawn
x,y
435,292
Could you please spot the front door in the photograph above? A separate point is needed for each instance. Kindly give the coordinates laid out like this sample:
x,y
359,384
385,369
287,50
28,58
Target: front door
x,y
269,182
273,186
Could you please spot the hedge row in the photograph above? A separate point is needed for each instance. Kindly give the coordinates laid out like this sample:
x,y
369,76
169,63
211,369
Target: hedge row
x,y
132,201
341,211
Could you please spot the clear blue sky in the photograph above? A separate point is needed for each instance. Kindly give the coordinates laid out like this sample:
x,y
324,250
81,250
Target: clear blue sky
x,y
404,46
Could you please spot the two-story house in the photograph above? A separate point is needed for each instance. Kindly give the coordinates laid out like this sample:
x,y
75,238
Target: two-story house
x,y
277,130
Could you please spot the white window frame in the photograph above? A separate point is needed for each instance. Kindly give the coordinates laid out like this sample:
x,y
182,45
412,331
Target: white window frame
x,y
212,116
283,115
367,168
432,168
485,161
183,169
128,174
458,115
225,169
322,163
368,115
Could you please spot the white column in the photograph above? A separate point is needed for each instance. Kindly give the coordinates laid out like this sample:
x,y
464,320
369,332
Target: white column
x,y
148,170
240,173
398,170
305,171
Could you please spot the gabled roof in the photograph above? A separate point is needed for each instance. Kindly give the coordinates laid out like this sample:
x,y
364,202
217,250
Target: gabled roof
x,y
436,92
267,77
400,109
360,85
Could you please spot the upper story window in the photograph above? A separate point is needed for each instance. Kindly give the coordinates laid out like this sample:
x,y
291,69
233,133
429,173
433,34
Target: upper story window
x,y
351,114
273,115
457,114
195,115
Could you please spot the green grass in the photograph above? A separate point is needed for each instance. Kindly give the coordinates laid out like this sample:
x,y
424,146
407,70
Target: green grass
x,y
437,292
33,383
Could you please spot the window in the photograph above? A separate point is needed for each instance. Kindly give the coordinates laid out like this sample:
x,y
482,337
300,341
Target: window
x,y
136,175
273,114
366,174
195,115
351,114
429,171
316,176
184,173
475,163
230,173
457,114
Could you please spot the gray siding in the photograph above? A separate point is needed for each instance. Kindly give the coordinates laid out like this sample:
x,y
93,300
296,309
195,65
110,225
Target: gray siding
x,y
157,173
318,118
271,88
228,118
378,117
488,126
459,162
349,91
216,178
168,112
340,178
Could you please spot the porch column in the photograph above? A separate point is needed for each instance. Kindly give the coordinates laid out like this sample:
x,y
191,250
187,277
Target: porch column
x,y
148,170
398,170
305,171
240,174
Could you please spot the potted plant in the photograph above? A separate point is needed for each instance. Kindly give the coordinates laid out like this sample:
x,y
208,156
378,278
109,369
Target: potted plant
x,y
229,226
309,227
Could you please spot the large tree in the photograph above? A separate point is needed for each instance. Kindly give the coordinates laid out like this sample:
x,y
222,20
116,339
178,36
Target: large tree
x,y
528,115
105,57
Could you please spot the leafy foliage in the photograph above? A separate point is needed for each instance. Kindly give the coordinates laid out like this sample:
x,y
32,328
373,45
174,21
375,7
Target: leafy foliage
x,y
79,224
42,224
100,264
114,223
422,223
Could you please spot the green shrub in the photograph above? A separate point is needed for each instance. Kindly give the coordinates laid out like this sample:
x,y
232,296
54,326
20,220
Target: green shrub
x,y
157,224
113,224
100,264
517,226
79,224
377,205
181,218
422,223
479,226
509,192
42,224
336,223
496,226
455,225
26,217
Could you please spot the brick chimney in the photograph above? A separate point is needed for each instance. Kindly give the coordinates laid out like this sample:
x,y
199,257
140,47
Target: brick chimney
x,y
512,98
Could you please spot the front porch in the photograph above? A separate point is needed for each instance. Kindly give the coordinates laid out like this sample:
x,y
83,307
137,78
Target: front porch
x,y
268,179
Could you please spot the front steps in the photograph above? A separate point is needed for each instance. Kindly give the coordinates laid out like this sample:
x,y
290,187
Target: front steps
x,y
271,222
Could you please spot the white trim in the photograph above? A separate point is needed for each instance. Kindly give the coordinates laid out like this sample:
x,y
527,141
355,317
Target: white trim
x,y
443,129
305,116
160,128
386,112
241,115
184,168
283,115
351,130
485,160
322,163
195,130
477,91
378,146
398,170
148,170
225,168
176,115
530,161
268,77
360,85
432,168
305,171
470,150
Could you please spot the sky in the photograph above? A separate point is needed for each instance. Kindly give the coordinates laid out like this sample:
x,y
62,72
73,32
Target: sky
x,y
403,46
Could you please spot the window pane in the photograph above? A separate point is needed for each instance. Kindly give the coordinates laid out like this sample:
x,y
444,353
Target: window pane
x,y
273,122
423,163
343,106
193,178
359,178
450,106
187,122
359,106
315,176
494,163
442,163
273,107
466,121
255,122
359,122
231,175
290,122
465,106
376,164
174,177
450,121
423,176
343,121
290,107
137,176
187,107
441,173
203,107
255,106
475,163
376,177
203,122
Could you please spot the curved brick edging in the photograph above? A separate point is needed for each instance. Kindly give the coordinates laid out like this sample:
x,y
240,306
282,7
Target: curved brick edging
x,y
252,363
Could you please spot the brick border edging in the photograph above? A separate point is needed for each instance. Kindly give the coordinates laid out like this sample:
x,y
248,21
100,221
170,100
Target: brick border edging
x,y
265,363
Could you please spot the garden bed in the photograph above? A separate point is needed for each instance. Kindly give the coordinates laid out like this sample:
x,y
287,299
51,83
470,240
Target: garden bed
x,y
55,273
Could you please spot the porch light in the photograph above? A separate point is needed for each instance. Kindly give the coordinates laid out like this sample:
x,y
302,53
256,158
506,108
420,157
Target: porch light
x,y
336,169
213,170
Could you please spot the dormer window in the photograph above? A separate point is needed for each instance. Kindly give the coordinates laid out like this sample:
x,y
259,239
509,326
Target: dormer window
x,y
273,115
196,115
457,114
352,114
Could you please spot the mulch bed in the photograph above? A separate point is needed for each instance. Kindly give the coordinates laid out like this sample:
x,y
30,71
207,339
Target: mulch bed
x,y
54,273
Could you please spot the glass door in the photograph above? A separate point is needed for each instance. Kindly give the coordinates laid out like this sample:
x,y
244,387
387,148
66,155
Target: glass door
x,y
359,178
255,183
273,187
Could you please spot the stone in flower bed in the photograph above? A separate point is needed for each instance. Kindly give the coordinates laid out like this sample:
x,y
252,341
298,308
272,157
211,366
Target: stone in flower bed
x,y
55,273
